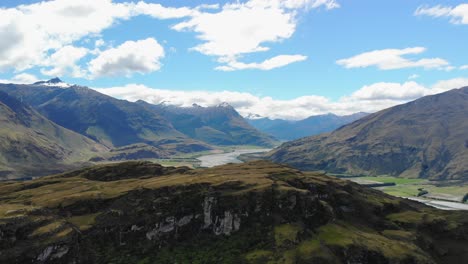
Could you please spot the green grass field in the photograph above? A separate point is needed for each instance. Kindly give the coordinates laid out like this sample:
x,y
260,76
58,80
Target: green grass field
x,y
410,187
389,179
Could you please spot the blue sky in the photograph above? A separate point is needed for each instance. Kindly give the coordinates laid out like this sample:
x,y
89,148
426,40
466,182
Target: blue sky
x,y
318,51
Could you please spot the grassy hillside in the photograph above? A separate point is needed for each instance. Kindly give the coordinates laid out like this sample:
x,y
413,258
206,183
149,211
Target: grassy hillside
x,y
258,212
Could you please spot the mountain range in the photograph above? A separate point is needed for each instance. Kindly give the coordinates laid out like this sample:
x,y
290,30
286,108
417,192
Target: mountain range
x,y
218,125
425,138
122,129
294,129
257,212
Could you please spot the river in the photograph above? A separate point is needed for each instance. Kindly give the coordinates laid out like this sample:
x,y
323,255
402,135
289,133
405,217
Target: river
x,y
444,205
212,160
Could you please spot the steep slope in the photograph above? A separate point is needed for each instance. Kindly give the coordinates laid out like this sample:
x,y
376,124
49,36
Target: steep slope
x,y
32,145
258,212
313,125
425,138
218,125
110,121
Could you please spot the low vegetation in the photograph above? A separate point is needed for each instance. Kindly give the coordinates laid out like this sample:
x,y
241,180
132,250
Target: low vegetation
x,y
257,212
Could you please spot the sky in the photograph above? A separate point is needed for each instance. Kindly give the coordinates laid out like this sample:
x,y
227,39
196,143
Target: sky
x,y
285,59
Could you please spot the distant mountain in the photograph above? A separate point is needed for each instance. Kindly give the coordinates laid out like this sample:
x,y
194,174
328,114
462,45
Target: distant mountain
x,y
112,122
426,138
218,125
32,145
290,130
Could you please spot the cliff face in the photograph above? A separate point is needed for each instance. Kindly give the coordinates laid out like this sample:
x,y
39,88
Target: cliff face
x,y
257,212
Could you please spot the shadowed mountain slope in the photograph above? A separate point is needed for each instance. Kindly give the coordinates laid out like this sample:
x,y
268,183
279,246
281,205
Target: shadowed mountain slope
x,y
426,138
32,145
218,125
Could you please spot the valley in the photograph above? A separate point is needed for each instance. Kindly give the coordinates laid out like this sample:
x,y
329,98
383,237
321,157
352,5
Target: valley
x,y
216,159
233,132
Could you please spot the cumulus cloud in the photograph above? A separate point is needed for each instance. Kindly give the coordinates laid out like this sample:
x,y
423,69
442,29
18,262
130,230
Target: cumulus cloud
x,y
391,91
22,78
464,67
242,28
390,59
457,14
29,32
272,63
369,98
445,85
140,56
64,62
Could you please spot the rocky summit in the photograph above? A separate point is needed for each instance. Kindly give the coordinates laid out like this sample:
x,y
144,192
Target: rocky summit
x,y
257,212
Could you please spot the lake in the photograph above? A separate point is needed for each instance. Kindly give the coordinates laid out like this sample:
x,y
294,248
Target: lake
x,y
212,160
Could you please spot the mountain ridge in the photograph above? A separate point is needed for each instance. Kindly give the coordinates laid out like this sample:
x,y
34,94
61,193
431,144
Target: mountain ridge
x,y
424,138
218,125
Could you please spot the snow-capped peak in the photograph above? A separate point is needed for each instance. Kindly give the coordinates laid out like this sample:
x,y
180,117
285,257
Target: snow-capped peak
x,y
224,104
253,116
55,82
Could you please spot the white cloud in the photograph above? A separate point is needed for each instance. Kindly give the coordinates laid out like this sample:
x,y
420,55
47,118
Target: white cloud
x,y
464,67
445,85
22,78
29,32
457,14
140,56
369,98
413,76
242,28
272,63
160,12
390,59
98,43
391,91
64,62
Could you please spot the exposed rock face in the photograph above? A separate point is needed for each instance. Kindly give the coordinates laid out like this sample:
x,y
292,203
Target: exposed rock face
x,y
425,138
257,212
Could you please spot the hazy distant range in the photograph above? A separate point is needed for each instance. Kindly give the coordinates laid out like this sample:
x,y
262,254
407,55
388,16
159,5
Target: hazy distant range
x,y
293,129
